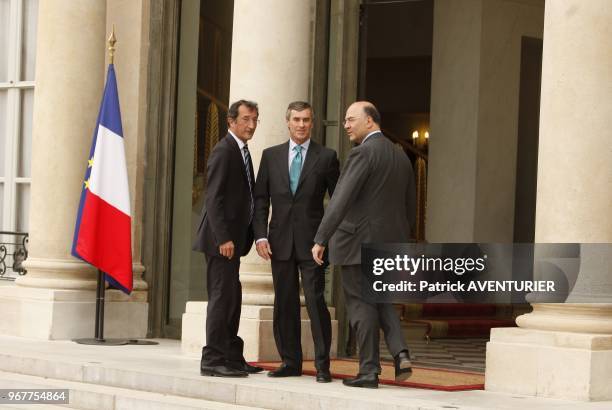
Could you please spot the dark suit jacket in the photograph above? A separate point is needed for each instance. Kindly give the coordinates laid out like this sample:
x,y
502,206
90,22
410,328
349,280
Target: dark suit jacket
x,y
226,212
375,201
294,218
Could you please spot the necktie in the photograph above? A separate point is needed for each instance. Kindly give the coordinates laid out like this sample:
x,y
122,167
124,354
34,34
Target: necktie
x,y
295,169
247,166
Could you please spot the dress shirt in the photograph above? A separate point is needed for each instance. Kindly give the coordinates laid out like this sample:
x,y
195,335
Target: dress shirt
x,y
240,143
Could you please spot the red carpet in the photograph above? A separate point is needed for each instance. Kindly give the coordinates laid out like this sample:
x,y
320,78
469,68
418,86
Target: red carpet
x,y
423,378
444,320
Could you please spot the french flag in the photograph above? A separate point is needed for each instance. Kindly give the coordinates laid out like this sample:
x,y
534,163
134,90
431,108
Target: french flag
x,y
102,235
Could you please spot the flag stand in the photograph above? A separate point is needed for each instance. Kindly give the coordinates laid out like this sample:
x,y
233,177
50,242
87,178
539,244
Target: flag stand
x,y
99,327
99,339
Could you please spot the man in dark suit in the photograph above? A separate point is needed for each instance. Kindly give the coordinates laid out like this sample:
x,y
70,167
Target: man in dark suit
x,y
374,202
224,234
294,177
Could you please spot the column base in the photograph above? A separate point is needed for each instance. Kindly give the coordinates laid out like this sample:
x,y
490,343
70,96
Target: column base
x,y
55,314
255,330
564,365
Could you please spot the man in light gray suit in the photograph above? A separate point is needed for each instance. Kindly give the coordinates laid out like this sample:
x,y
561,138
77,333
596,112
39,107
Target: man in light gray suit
x,y
374,202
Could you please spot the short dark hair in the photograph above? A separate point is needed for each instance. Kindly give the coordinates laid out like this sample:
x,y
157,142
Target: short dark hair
x,y
232,113
298,106
371,111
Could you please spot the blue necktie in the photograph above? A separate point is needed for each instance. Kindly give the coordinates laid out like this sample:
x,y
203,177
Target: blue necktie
x,y
295,169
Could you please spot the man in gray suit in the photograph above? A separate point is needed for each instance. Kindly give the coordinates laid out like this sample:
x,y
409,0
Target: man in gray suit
x,y
374,202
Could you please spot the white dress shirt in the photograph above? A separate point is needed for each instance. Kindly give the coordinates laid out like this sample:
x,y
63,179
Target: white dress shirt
x,y
240,143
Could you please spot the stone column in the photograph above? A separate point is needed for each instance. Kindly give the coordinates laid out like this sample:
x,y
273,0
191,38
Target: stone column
x,y
276,48
565,350
56,299
130,19
271,64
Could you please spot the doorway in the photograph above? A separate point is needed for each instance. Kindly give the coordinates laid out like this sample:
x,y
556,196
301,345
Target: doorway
x,y
205,44
397,64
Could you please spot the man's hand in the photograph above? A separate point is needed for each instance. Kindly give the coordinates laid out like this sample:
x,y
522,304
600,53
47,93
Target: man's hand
x,y
263,249
227,249
317,253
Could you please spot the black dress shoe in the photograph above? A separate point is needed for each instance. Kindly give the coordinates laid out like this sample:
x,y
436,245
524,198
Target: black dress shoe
x,y
363,380
221,371
244,366
403,366
323,376
285,371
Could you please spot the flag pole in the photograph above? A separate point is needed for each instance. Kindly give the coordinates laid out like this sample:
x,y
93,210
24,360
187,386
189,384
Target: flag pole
x,y
111,46
99,324
99,330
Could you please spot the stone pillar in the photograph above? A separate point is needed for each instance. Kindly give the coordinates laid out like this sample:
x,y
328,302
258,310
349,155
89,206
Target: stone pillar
x,y
271,64
130,19
56,299
565,350
277,51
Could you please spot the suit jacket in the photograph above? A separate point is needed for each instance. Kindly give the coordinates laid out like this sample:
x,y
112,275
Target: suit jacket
x,y
375,201
295,218
226,212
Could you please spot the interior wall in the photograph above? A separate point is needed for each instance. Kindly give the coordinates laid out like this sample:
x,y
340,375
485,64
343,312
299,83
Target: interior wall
x,y
474,116
455,88
504,24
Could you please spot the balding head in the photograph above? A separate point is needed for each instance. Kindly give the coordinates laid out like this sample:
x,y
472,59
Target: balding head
x,y
361,118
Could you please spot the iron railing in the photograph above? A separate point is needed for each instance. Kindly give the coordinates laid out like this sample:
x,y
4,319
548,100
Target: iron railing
x,y
13,251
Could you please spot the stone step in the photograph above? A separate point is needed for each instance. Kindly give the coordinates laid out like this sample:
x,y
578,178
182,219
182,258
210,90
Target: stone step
x,y
87,396
161,377
163,371
32,407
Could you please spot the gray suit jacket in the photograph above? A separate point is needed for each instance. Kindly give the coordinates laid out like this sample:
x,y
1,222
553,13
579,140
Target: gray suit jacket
x,y
374,201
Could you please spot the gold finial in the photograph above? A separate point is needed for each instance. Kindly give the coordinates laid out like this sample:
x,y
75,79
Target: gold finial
x,y
111,45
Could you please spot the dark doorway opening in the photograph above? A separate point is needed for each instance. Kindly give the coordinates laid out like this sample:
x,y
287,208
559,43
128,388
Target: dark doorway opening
x,y
528,139
395,57
395,61
204,67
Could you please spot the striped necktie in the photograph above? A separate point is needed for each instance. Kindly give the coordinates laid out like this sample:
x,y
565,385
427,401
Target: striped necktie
x,y
247,166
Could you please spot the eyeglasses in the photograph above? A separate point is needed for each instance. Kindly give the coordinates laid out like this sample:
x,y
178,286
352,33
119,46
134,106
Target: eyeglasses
x,y
248,120
349,120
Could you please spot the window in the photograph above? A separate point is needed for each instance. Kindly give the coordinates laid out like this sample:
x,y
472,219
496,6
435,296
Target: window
x,y
18,20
